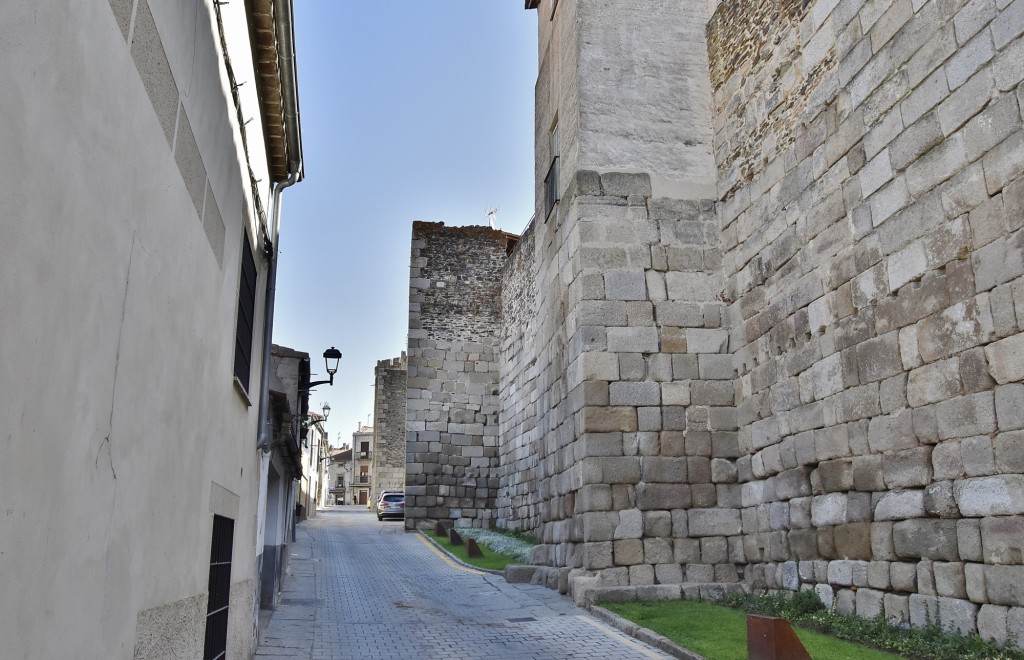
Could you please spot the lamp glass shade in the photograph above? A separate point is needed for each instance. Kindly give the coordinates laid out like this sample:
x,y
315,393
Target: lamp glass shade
x,y
332,357
327,410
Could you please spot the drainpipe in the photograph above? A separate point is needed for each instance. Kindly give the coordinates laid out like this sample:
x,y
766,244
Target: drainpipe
x,y
285,29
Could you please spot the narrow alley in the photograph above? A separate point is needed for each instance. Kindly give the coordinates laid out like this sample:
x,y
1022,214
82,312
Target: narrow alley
x,y
359,588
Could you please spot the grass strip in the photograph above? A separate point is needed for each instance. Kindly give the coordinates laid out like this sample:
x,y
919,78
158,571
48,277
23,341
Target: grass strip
x,y
720,633
490,560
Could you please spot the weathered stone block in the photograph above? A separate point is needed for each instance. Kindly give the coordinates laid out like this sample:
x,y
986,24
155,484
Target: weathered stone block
x,y
1009,400
628,552
974,578
714,522
853,541
624,393
1006,359
1002,540
992,623
930,539
968,538
663,496
625,285
998,495
934,382
939,500
630,525
900,505
828,510
965,416
1005,585
633,340
977,456
908,468
949,579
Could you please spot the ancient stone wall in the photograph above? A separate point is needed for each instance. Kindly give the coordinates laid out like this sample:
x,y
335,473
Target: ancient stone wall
x,y
871,156
452,389
813,381
389,451
519,433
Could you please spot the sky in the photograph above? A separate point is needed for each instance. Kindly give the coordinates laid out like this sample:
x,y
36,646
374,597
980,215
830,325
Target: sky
x,y
410,110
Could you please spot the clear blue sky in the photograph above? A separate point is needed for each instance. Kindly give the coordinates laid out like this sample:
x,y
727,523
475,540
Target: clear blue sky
x,y
411,110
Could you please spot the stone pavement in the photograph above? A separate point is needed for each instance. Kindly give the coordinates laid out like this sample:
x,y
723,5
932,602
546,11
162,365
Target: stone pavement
x,y
359,588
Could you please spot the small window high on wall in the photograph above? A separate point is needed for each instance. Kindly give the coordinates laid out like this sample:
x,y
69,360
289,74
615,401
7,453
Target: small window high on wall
x,y
246,315
551,180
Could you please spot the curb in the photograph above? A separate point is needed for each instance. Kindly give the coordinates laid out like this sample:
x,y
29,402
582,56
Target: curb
x,y
643,634
456,559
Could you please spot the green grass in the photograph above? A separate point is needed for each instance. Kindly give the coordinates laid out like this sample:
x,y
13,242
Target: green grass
x,y
490,560
720,633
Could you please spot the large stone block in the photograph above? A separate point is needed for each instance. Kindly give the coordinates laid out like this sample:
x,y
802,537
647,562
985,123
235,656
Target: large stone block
x,y
934,382
628,552
663,496
966,416
714,522
997,495
900,505
1005,585
609,418
908,468
828,509
1009,452
926,539
1002,540
1006,359
853,541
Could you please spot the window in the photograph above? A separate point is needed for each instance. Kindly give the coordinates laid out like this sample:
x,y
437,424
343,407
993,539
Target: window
x,y
551,180
246,315
220,588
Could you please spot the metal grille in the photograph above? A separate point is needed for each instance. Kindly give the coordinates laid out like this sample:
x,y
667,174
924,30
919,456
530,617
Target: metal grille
x,y
246,314
551,188
220,588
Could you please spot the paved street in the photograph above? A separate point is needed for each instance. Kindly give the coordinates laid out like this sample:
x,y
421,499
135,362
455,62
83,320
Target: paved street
x,y
359,588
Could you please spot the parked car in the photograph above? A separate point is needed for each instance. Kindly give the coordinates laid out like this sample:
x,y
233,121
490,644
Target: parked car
x,y
391,505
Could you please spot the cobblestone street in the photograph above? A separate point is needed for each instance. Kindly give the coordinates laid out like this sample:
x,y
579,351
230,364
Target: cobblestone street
x,y
359,588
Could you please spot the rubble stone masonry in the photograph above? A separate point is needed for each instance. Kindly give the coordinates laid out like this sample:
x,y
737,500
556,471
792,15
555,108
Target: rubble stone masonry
x,y
810,376
388,467
452,390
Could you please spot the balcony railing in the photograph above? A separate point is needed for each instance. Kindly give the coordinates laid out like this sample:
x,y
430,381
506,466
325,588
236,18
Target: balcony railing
x,y
551,188
364,478
363,455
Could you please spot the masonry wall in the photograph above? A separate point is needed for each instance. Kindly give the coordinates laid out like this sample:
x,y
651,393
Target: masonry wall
x,y
452,404
389,426
870,159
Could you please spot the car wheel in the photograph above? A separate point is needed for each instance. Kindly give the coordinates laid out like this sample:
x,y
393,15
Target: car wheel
x,y
380,518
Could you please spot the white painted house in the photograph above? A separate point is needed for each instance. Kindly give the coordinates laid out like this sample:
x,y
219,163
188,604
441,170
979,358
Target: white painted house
x,y
140,211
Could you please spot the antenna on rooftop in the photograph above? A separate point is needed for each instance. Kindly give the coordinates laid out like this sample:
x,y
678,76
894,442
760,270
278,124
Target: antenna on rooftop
x,y
491,215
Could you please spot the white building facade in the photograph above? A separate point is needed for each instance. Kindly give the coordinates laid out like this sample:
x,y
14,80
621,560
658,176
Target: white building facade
x,y
140,217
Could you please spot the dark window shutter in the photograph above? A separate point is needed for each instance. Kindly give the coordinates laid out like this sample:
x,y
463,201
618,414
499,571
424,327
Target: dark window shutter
x,y
246,315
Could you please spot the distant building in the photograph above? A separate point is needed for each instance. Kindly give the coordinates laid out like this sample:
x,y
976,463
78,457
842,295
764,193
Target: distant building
x,y
389,446
338,477
362,464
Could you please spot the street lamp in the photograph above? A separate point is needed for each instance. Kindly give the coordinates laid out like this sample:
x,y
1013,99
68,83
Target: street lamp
x,y
332,357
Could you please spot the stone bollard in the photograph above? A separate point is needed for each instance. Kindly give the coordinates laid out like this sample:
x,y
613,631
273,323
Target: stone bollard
x,y
472,549
453,537
439,529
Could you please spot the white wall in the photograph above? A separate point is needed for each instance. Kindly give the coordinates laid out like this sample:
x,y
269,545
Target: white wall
x,y
117,341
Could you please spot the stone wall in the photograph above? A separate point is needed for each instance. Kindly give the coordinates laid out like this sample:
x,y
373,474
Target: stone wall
x,y
871,157
388,467
452,404
812,380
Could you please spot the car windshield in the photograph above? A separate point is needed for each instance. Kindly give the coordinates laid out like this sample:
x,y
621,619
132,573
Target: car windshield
x,y
394,498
